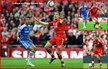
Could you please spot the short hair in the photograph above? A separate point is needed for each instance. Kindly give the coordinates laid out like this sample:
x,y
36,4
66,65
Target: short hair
x,y
57,12
26,18
96,35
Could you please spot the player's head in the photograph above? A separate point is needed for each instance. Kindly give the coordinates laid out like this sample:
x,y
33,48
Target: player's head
x,y
82,4
56,15
94,4
26,20
95,37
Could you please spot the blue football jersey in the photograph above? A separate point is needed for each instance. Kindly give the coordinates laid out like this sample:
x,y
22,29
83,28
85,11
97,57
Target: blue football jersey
x,y
83,10
24,32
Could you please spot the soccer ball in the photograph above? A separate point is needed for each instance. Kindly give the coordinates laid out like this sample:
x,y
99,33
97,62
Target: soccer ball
x,y
96,26
90,65
50,3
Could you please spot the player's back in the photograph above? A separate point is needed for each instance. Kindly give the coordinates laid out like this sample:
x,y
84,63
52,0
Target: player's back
x,y
83,10
24,32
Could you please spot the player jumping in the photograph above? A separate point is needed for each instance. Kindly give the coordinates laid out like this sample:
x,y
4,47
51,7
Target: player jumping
x,y
25,40
58,39
98,46
83,12
93,13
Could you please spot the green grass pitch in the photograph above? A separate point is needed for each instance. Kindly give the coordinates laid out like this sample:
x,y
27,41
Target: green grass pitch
x,y
104,65
90,26
40,63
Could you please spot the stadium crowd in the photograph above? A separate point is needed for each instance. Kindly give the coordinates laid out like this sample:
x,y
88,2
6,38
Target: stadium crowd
x,y
88,40
13,14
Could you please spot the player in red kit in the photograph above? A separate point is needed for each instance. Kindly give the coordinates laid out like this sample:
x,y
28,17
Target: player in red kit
x,y
99,47
93,13
58,39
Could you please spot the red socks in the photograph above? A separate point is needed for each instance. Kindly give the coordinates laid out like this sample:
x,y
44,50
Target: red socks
x,y
99,60
49,51
92,59
60,57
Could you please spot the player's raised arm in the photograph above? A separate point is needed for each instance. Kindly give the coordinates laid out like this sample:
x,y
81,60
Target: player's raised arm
x,y
41,22
62,21
102,11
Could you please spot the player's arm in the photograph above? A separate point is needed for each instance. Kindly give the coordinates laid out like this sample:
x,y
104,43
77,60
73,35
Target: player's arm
x,y
41,22
18,37
79,12
29,39
102,11
91,49
88,13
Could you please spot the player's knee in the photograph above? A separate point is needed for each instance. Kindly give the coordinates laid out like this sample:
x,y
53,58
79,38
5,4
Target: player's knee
x,y
92,54
58,51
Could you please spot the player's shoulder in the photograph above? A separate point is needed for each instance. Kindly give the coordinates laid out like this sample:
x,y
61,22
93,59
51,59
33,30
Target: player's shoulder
x,y
85,6
80,7
94,40
22,26
99,40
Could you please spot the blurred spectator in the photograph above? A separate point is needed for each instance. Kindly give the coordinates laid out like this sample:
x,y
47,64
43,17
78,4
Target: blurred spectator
x,y
33,38
5,32
71,39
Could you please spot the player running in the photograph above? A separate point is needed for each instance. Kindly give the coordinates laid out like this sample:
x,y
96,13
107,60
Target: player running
x,y
58,39
25,41
83,13
93,13
99,47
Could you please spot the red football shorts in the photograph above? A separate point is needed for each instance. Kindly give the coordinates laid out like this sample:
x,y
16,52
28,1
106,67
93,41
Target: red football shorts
x,y
93,16
58,41
98,51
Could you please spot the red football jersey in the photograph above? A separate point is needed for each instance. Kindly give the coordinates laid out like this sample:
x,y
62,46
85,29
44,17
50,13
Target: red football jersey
x,y
96,42
58,28
93,10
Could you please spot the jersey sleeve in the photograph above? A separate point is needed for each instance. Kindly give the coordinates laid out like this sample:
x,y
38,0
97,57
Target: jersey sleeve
x,y
50,23
98,8
102,42
20,29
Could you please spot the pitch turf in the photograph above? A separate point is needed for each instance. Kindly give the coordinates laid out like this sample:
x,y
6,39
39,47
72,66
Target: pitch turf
x,y
90,26
40,63
104,65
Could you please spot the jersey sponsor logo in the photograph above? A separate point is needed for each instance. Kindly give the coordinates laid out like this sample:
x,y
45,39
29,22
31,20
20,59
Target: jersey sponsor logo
x,y
26,31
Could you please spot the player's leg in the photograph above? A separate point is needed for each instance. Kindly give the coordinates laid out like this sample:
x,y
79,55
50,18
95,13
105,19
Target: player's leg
x,y
60,57
99,60
92,58
47,47
84,22
96,22
59,45
32,49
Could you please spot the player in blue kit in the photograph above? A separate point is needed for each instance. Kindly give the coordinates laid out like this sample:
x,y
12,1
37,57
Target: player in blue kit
x,y
25,41
83,13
